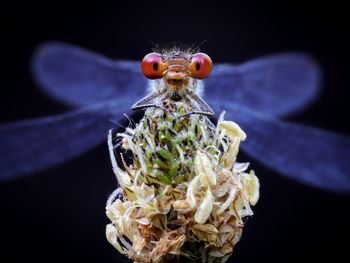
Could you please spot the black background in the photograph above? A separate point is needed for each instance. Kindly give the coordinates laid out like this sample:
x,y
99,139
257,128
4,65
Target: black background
x,y
58,214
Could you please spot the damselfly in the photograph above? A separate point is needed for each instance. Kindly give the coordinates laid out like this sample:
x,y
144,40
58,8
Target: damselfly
x,y
255,94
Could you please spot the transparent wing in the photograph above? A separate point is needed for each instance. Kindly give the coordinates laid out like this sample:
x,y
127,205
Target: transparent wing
x,y
276,85
311,156
33,145
78,77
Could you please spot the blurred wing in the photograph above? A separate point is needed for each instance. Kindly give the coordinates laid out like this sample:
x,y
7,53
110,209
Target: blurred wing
x,y
276,85
78,77
33,145
309,155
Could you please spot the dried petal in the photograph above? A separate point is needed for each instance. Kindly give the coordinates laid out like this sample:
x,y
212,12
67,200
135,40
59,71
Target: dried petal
x,y
242,208
228,201
191,191
241,167
143,192
143,221
138,244
216,253
231,154
204,168
122,177
181,205
204,210
251,187
205,232
225,228
111,235
232,130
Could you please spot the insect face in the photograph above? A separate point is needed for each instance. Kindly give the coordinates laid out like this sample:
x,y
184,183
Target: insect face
x,y
176,68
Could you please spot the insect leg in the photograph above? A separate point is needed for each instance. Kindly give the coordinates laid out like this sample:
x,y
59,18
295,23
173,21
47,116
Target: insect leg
x,y
145,102
204,108
144,106
209,114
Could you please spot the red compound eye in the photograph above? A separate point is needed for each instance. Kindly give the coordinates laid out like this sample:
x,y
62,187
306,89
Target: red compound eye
x,y
153,66
200,66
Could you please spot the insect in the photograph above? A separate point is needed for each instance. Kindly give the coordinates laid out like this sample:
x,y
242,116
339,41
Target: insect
x,y
178,73
256,94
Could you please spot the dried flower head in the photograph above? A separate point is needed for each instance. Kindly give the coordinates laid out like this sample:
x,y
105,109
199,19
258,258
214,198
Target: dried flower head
x,y
184,194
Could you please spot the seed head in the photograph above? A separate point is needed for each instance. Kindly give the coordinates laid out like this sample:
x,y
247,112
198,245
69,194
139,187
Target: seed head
x,y
183,194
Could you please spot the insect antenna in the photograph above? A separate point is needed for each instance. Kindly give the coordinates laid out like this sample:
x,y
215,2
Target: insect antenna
x,y
197,48
155,46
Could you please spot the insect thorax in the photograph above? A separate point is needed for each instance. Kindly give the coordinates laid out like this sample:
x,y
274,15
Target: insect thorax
x,y
193,85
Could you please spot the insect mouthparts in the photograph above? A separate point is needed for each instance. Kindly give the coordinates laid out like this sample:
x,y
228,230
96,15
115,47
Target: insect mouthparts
x,y
176,96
